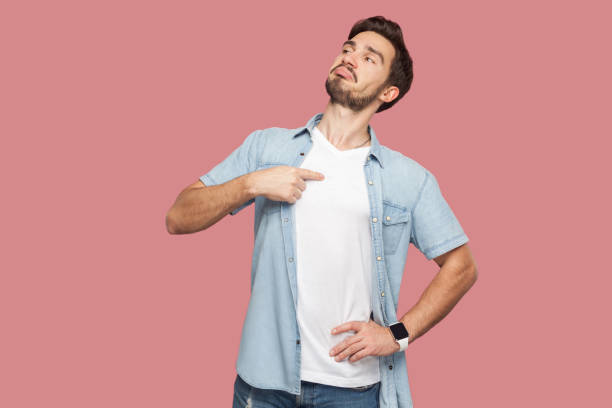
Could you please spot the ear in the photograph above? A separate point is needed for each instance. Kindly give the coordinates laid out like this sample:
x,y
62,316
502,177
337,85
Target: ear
x,y
390,94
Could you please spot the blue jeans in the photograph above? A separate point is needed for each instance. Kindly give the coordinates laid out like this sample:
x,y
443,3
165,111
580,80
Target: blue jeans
x,y
313,395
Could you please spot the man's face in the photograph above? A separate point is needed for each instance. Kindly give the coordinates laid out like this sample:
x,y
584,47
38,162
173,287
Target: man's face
x,y
358,73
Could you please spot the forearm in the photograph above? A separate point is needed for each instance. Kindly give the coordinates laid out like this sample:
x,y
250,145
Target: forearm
x,y
199,208
438,299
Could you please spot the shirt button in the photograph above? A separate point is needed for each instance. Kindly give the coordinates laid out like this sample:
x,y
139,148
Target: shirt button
x,y
388,218
297,341
382,293
378,258
370,182
286,219
290,259
374,219
390,367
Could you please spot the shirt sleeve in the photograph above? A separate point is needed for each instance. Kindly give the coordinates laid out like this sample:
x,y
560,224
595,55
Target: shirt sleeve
x,y
241,161
435,229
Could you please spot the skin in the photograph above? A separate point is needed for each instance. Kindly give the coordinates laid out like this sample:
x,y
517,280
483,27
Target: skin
x,y
353,101
352,104
456,276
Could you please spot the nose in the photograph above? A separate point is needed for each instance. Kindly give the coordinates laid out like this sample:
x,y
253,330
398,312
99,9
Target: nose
x,y
348,59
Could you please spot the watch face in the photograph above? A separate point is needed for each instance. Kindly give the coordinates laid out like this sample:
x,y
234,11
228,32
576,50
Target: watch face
x,y
399,330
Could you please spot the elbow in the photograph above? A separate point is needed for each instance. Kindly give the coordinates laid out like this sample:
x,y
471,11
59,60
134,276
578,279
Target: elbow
x,y
175,225
171,226
473,271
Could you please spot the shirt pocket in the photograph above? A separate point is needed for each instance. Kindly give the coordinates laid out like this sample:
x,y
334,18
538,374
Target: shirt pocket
x,y
394,224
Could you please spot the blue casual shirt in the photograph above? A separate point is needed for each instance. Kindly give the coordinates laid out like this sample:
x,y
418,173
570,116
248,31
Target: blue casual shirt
x,y
406,206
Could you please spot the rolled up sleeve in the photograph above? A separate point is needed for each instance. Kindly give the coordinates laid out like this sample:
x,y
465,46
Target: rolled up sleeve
x,y
435,229
241,161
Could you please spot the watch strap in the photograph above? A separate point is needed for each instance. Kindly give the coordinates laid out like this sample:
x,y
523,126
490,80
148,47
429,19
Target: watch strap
x,y
403,343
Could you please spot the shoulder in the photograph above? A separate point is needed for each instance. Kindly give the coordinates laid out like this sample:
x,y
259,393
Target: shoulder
x,y
277,145
404,168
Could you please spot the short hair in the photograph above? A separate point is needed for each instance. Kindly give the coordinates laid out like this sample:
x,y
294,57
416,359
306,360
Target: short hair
x,y
400,74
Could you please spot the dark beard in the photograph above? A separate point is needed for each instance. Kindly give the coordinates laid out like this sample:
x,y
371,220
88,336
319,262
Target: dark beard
x,y
345,97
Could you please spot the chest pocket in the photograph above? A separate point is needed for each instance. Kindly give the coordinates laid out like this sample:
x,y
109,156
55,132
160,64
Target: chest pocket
x,y
395,223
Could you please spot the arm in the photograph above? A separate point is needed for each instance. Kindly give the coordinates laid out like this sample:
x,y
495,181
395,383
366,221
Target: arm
x,y
198,206
456,276
222,190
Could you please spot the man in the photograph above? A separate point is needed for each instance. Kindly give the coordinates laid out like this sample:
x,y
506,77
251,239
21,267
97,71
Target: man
x,y
335,212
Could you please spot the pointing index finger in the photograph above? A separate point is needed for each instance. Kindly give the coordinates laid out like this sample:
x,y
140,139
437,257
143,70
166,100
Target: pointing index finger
x,y
307,174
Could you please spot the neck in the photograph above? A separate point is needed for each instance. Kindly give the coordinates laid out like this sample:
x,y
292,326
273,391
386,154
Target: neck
x,y
345,128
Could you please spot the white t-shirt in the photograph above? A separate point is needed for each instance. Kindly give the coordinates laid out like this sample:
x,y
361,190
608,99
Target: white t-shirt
x,y
334,262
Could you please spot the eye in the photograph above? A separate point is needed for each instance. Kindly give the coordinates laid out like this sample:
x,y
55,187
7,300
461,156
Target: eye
x,y
343,51
370,59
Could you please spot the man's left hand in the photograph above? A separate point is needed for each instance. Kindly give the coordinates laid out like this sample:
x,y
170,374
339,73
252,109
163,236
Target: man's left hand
x,y
370,339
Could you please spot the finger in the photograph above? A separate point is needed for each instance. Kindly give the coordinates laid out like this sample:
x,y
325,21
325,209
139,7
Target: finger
x,y
344,344
307,174
301,184
354,348
364,352
352,325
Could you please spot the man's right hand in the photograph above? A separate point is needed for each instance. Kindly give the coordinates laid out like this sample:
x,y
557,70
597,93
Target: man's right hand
x,y
282,183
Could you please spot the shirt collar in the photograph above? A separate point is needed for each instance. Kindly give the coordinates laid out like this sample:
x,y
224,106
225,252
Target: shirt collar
x,y
374,148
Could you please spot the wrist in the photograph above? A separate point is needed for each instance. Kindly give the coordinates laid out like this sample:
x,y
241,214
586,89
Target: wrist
x,y
393,339
400,335
249,185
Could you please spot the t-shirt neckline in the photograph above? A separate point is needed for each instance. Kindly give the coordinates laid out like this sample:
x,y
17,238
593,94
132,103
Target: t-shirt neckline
x,y
330,146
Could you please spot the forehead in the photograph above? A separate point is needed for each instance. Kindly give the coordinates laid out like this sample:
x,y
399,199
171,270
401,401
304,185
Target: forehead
x,y
376,41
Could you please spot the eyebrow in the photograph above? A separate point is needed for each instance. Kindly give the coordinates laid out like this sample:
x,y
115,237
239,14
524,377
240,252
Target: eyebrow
x,y
369,48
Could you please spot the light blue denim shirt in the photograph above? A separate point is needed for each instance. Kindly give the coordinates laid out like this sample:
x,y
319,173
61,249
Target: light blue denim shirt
x,y
406,206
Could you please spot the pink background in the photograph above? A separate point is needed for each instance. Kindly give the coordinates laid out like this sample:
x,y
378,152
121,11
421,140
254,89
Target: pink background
x,y
107,111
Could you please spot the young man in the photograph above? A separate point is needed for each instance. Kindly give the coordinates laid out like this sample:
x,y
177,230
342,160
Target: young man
x,y
335,212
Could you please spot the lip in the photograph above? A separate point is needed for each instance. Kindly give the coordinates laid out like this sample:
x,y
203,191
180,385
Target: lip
x,y
343,72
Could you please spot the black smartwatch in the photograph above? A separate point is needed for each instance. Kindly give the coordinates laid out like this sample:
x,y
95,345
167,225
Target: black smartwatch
x,y
401,334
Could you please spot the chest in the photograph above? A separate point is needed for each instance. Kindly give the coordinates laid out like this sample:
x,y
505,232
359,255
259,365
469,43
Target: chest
x,y
387,205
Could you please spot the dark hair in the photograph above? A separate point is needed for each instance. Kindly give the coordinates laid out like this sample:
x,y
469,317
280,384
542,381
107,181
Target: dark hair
x,y
400,74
